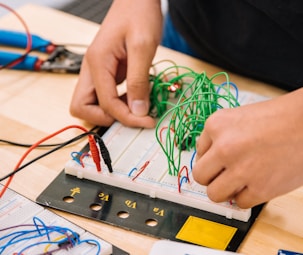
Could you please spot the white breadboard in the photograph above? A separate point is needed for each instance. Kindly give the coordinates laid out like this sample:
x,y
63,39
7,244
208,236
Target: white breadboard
x,y
132,148
18,210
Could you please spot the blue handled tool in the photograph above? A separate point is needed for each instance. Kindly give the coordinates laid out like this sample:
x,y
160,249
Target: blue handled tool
x,y
19,40
60,60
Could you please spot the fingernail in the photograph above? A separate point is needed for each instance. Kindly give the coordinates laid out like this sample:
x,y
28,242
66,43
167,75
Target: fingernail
x,y
139,108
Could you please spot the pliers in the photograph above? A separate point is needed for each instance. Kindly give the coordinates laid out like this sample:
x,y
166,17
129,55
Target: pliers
x,y
59,60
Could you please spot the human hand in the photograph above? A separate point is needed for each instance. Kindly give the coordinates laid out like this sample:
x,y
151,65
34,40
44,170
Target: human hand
x,y
124,47
252,153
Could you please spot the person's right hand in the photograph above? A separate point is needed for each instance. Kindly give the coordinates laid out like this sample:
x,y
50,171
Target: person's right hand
x,y
252,153
124,47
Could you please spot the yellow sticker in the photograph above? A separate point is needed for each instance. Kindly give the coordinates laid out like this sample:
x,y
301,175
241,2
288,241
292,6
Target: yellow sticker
x,y
206,233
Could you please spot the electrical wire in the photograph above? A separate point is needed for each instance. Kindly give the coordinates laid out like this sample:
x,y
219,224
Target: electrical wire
x,y
61,145
182,100
46,145
140,170
19,167
28,35
39,234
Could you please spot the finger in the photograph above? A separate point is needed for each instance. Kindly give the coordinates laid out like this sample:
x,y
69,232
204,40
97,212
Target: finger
x,y
207,168
138,87
117,108
84,103
247,199
109,99
203,144
225,186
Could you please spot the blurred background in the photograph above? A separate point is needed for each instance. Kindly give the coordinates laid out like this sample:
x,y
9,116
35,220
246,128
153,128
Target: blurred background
x,y
93,10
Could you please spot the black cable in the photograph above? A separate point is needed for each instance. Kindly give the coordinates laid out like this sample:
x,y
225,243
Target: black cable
x,y
104,153
26,145
47,153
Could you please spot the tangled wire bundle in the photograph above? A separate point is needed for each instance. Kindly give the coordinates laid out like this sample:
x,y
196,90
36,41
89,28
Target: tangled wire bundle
x,y
183,102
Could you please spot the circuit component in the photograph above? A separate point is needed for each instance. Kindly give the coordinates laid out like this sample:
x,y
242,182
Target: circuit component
x,y
17,231
130,150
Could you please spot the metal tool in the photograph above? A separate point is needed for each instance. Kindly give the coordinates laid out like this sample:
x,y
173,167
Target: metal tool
x,y
59,60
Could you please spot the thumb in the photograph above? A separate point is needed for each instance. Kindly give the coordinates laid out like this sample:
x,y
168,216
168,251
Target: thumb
x,y
138,87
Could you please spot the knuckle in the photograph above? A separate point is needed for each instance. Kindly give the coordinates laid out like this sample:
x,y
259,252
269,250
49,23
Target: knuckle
x,y
138,85
213,195
214,121
74,109
137,81
252,195
197,176
142,42
106,106
243,203
223,151
93,51
90,53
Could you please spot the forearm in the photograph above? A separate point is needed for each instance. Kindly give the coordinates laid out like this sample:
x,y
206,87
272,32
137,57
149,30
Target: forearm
x,y
291,108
